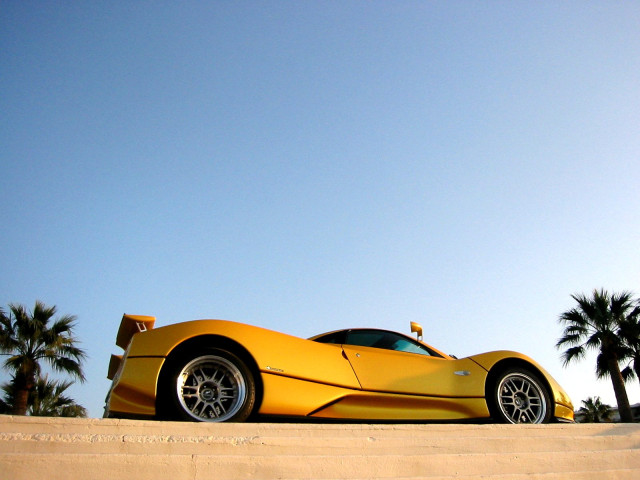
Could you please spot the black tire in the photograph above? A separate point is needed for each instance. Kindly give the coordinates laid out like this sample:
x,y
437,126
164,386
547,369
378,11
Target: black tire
x,y
519,396
210,385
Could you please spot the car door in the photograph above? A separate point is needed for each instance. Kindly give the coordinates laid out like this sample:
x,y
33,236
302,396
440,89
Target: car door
x,y
392,363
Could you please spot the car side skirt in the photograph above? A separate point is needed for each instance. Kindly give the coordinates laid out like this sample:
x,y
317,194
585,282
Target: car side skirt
x,y
294,397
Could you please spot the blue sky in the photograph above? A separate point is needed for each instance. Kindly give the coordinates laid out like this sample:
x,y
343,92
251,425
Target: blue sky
x,y
308,166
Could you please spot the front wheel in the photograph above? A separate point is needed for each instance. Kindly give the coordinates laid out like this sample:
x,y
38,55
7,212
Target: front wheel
x,y
520,397
210,386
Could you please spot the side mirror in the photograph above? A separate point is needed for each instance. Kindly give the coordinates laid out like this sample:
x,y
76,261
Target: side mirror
x,y
417,329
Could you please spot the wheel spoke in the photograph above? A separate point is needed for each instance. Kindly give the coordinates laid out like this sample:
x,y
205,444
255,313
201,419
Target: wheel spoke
x,y
190,388
215,374
208,412
195,408
201,375
221,406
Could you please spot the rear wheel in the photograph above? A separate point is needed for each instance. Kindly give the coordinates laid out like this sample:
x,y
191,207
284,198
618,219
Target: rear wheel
x,y
210,386
520,397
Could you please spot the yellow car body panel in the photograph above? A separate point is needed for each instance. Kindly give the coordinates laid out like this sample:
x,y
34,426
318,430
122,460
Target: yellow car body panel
x,y
305,378
286,396
390,371
134,389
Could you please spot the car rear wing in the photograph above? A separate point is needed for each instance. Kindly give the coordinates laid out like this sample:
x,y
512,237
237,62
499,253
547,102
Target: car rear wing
x,y
129,326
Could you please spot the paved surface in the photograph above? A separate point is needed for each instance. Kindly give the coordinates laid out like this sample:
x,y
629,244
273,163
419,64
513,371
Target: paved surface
x,y
69,449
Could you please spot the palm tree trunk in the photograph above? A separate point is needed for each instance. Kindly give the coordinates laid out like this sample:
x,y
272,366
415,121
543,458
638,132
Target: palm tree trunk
x,y
21,399
624,409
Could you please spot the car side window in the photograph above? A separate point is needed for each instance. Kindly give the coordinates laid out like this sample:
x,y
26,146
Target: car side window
x,y
385,340
333,337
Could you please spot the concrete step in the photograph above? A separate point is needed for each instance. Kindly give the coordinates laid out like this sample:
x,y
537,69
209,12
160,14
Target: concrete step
x,y
62,443
113,449
116,466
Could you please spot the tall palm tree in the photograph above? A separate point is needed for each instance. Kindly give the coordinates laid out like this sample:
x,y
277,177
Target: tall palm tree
x,y
594,411
28,340
594,324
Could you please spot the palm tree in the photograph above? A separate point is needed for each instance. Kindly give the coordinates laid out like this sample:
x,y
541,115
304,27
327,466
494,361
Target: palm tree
x,y
594,411
27,339
47,399
630,332
594,324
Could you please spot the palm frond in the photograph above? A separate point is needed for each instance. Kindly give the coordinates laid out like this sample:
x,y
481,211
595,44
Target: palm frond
x,y
602,366
574,317
573,353
67,365
628,373
569,339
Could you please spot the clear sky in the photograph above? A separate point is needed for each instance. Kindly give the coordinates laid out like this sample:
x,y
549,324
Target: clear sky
x,y
308,166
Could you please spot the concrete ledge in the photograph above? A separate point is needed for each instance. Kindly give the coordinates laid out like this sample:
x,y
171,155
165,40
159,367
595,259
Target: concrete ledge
x,y
32,447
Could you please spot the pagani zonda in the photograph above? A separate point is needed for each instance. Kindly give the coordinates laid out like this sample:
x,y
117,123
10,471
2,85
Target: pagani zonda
x,y
216,371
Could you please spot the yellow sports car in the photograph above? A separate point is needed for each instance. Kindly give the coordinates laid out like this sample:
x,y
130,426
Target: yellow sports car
x,y
216,371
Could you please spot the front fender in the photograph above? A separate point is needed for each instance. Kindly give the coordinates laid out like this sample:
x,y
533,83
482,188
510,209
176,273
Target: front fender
x,y
490,360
